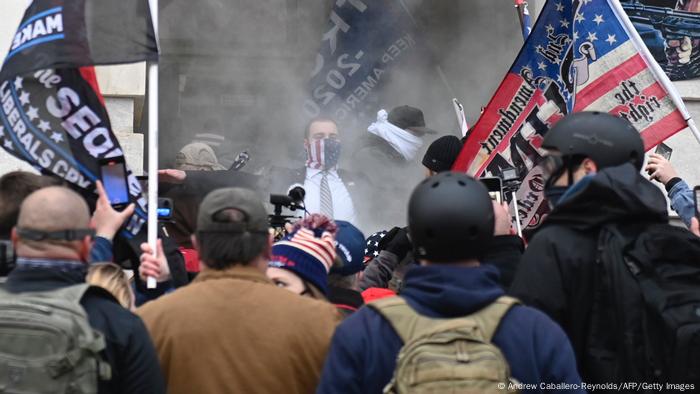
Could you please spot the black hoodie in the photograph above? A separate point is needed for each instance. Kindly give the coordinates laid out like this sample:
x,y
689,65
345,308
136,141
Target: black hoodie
x,y
556,273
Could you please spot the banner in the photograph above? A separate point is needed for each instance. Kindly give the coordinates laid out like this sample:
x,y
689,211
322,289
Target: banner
x,y
671,31
75,33
581,56
364,40
53,115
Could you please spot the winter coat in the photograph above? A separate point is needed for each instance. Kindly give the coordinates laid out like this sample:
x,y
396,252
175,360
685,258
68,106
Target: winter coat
x,y
234,331
364,348
129,350
556,273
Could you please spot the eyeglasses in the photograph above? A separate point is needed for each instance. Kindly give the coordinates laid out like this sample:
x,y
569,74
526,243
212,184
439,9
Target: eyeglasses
x,y
552,165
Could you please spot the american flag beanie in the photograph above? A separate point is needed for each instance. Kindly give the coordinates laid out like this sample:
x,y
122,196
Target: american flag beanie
x,y
307,254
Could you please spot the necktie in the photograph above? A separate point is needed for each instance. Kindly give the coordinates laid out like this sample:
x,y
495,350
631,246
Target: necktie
x,y
326,196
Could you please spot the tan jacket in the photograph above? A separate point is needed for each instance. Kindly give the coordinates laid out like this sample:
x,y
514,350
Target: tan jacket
x,y
233,331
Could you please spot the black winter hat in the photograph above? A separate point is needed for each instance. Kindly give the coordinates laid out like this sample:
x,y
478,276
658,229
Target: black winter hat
x,y
442,153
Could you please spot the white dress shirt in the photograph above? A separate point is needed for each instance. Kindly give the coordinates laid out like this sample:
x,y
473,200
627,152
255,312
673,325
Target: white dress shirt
x,y
343,208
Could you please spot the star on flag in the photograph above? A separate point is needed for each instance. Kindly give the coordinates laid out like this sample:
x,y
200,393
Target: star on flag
x,y
44,126
33,113
611,39
18,83
598,19
57,137
24,98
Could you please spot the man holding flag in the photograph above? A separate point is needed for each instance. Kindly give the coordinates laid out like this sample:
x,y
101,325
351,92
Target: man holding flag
x,y
585,57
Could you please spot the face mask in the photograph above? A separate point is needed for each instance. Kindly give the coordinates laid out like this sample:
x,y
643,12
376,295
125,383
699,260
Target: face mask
x,y
554,194
322,154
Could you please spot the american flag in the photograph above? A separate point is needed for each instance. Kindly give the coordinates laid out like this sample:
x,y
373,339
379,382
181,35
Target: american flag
x,y
581,56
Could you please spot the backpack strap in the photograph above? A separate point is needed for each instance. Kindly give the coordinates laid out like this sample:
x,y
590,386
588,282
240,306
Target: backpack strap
x,y
71,293
403,319
489,318
408,324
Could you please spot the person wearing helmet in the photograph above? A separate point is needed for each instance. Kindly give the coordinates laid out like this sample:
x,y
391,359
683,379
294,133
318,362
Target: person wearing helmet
x,y
592,179
451,224
393,255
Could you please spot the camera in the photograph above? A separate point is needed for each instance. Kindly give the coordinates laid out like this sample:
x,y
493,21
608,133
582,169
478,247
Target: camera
x,y
511,180
293,200
165,209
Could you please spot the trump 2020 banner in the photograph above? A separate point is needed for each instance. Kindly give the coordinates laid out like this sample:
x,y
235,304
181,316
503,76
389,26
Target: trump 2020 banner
x,y
53,115
581,56
363,41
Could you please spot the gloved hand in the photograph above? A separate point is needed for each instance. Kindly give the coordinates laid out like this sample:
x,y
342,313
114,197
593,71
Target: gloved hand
x,y
398,244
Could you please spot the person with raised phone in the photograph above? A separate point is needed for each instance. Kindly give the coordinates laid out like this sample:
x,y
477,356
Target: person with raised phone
x,y
57,334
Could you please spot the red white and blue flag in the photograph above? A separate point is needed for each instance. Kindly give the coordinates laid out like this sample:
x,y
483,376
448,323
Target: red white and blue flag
x,y
581,56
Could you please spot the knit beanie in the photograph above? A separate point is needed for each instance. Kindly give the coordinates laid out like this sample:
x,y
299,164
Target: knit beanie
x,y
309,253
350,246
442,153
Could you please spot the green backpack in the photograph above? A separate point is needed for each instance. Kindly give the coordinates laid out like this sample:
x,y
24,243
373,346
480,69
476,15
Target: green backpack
x,y
447,355
47,344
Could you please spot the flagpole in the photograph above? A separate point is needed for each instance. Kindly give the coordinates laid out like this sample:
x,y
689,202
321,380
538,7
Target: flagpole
x,y
654,66
153,146
521,7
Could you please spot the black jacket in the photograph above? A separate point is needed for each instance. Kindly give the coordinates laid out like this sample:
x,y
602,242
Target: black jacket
x,y
129,351
557,272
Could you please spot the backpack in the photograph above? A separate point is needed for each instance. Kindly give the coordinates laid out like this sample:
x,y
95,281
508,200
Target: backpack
x,y
447,355
646,304
47,344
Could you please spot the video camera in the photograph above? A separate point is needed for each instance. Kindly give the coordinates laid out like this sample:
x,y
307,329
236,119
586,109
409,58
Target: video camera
x,y
293,201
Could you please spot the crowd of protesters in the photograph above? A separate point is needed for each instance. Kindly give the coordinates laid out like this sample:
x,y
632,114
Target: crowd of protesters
x,y
447,299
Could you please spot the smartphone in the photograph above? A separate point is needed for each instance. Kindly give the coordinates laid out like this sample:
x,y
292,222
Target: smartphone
x,y
113,176
495,188
664,150
696,196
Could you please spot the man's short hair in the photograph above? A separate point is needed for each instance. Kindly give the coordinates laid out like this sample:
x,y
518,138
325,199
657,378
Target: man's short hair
x,y
221,250
14,188
307,129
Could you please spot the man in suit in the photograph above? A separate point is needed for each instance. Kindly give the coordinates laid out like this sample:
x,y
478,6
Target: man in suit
x,y
329,190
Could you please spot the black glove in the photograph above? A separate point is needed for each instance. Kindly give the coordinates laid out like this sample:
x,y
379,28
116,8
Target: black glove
x,y
399,245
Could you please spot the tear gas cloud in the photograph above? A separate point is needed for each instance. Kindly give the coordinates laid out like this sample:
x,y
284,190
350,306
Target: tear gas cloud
x,y
239,69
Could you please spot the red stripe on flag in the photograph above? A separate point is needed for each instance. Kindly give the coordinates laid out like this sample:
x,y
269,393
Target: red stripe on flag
x,y
483,127
89,75
663,129
537,99
609,81
654,90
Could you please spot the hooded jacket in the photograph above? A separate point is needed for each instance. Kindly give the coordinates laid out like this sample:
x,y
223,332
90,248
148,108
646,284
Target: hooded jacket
x,y
363,351
556,273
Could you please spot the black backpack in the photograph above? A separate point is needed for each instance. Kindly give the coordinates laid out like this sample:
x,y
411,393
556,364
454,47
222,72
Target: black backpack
x,y
645,316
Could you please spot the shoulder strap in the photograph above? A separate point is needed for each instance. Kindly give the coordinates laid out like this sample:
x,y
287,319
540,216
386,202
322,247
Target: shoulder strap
x,y
409,324
71,293
403,319
489,318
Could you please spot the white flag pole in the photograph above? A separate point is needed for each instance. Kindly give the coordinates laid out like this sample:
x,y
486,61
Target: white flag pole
x,y
461,119
654,66
153,146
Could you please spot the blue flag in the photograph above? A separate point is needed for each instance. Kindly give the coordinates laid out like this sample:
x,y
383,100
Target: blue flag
x,y
363,41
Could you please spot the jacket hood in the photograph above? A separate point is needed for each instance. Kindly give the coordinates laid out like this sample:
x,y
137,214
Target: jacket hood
x,y
613,194
451,291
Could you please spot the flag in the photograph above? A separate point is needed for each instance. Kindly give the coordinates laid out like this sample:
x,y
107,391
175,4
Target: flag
x,y
524,16
363,41
75,33
581,56
52,113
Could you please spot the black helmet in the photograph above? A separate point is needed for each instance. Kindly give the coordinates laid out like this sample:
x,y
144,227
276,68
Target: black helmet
x,y
450,218
608,140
